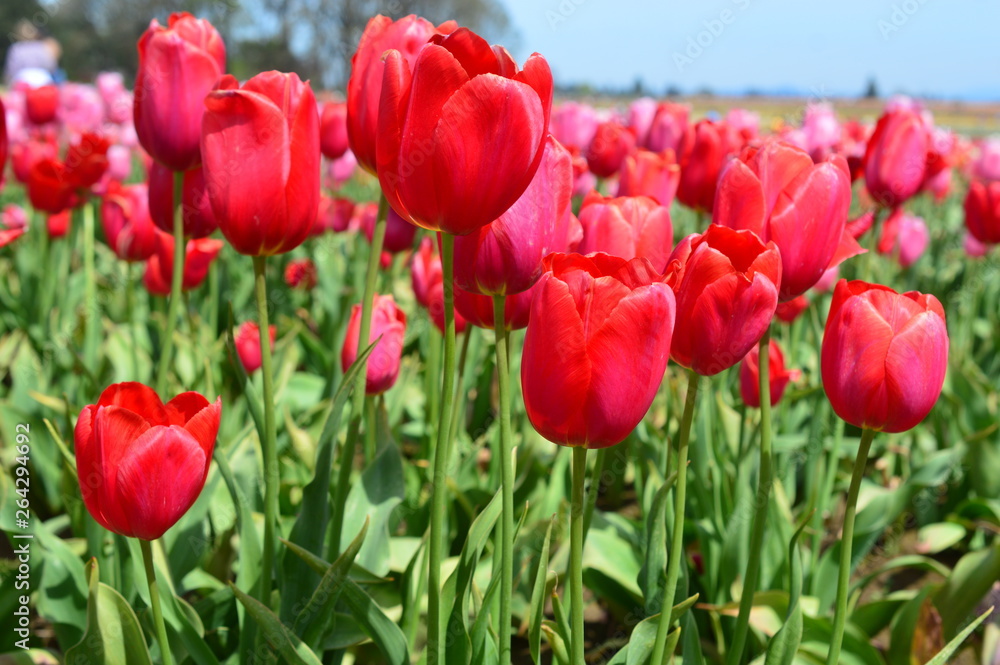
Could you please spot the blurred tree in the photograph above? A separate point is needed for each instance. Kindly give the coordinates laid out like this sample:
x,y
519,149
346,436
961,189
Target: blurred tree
x,y
871,89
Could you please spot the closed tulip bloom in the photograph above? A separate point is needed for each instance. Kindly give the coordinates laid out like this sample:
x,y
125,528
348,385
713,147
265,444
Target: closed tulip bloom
x,y
260,149
399,233
389,323
974,248
905,236
668,127
608,149
597,344
777,192
702,151
790,310
24,155
13,223
646,173
777,375
640,118
505,257
425,270
301,274
57,225
178,65
196,208
333,130
982,211
726,283
477,309
627,226
461,132
334,215
574,124
896,157
128,228
141,463
41,104
160,266
48,188
364,88
247,343
884,355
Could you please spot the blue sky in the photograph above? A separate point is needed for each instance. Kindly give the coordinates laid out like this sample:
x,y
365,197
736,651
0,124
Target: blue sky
x,y
944,48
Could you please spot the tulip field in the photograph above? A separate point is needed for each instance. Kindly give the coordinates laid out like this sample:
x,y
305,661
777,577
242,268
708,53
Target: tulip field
x,y
448,368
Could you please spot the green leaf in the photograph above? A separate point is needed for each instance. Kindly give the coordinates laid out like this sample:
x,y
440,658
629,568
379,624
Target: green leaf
x,y
943,656
785,643
384,633
973,575
934,538
291,648
653,572
539,592
63,587
113,635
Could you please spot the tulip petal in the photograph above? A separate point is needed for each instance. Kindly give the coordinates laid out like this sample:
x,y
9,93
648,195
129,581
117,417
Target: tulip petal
x,y
472,51
137,398
116,429
394,101
184,407
160,479
915,365
739,199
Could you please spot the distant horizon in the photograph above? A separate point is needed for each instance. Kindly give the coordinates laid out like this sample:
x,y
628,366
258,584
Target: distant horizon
x,y
926,49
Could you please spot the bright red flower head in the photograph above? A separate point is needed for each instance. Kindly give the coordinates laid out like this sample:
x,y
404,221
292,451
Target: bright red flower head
x,y
247,343
884,355
628,226
23,156
399,233
178,65
611,144
389,323
301,274
142,463
778,376
596,348
129,230
702,151
477,309
13,223
160,266
726,283
646,173
199,220
505,256
461,132
41,104
333,130
334,215
777,192
364,88
260,149
982,211
896,157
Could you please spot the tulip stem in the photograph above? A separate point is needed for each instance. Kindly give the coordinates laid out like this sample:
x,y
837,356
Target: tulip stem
x,y
154,602
371,444
576,556
177,280
439,514
846,545
677,536
507,476
268,444
364,332
763,500
91,319
595,489
458,405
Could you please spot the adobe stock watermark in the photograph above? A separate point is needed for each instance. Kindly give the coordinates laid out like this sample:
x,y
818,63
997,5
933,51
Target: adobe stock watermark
x,y
562,12
714,28
901,14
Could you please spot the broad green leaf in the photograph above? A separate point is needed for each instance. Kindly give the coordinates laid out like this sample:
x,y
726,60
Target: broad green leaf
x,y
783,646
384,633
284,641
973,575
943,656
539,592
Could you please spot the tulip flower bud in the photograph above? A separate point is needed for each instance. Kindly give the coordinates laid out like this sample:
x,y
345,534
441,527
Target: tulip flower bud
x,y
197,259
778,376
141,463
702,150
389,323
247,342
333,130
884,355
608,149
982,212
596,348
651,174
41,104
196,209
128,228
896,157
477,309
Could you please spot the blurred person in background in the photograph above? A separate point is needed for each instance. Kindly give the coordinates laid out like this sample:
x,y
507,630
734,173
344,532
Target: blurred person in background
x,y
33,58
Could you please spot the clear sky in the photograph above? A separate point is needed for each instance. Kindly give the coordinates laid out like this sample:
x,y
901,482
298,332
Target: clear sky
x,y
943,48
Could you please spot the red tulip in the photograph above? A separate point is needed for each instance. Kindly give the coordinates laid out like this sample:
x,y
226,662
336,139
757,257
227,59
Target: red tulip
x,y
905,236
87,160
364,88
651,174
389,323
334,215
260,148
333,130
48,187
41,104
196,208
54,186
701,152
596,348
726,283
477,309
982,211
505,256
178,66
247,342
142,463
23,156
13,223
668,127
628,227
4,145
425,270
399,233
301,274
778,376
57,225
884,355
127,226
790,310
777,192
608,149
462,132
896,157
198,257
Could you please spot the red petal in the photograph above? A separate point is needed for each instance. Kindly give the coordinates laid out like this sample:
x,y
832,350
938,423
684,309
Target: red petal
x,y
137,398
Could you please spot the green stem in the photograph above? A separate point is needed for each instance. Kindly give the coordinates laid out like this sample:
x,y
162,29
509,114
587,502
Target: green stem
x,y
507,476
846,545
180,251
213,299
439,515
364,332
764,482
154,602
576,557
830,475
459,404
431,386
595,489
370,443
92,318
269,442
677,536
